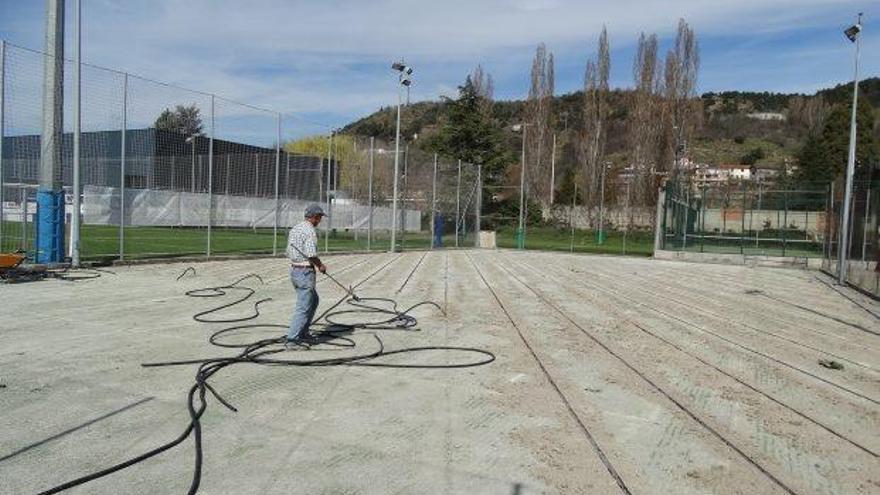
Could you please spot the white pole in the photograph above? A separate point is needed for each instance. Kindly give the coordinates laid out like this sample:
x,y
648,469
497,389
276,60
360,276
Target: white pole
x,y
370,194
277,172
434,202
396,172
329,157
522,189
77,127
479,205
192,167
457,203
850,171
2,129
601,239
210,178
122,167
571,216
553,169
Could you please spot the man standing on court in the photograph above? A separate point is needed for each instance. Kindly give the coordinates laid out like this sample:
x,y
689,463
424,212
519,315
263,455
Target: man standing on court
x,y
302,249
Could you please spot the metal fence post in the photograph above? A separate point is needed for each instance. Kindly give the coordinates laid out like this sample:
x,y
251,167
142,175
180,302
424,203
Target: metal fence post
x,y
457,203
23,198
402,209
785,218
571,218
477,225
2,129
742,229
370,200
277,171
77,128
122,167
329,171
867,209
687,211
702,219
210,178
434,202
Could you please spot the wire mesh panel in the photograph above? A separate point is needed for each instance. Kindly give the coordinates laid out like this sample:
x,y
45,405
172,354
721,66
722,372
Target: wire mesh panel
x,y
863,246
22,74
244,170
101,113
382,195
750,217
166,204
301,177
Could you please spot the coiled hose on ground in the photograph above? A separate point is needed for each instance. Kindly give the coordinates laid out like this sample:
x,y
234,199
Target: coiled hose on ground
x,y
384,315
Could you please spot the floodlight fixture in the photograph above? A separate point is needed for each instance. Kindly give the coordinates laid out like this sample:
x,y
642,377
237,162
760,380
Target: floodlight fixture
x,y
852,32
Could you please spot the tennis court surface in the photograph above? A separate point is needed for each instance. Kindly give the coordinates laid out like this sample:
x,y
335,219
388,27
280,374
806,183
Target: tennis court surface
x,y
611,375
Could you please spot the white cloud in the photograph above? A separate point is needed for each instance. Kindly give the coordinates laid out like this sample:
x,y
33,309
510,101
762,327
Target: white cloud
x,y
332,56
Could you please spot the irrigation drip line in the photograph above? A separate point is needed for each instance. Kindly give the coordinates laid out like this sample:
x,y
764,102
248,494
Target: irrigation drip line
x,y
384,315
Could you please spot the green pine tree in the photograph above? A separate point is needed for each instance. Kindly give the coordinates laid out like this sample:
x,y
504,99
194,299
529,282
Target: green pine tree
x,y
468,133
824,156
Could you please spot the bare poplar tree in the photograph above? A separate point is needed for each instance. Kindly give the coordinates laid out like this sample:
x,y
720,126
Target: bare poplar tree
x,y
645,116
594,132
484,86
539,119
683,111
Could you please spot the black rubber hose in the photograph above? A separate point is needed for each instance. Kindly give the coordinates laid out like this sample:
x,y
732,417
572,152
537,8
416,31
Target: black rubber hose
x,y
266,351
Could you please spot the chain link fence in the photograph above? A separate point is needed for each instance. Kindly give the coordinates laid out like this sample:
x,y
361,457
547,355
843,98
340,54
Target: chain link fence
x,y
748,217
167,171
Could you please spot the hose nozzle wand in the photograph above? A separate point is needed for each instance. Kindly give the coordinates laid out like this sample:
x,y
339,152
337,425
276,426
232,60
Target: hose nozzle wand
x,y
346,289
349,290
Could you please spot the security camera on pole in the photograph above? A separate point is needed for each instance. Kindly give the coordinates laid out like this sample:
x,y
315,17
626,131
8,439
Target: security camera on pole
x,y
404,80
853,34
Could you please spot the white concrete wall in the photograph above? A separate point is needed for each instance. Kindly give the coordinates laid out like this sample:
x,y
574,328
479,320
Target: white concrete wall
x,y
146,207
732,220
615,217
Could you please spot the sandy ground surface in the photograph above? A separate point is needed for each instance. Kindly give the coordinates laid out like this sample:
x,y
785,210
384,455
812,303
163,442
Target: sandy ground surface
x,y
613,375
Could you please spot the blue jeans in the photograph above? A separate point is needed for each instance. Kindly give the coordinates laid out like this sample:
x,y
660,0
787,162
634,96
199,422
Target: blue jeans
x,y
306,302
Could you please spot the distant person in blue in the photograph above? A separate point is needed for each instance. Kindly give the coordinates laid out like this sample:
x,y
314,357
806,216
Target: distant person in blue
x,y
302,249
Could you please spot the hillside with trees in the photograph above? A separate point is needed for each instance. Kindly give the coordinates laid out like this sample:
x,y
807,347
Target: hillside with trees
x,y
637,135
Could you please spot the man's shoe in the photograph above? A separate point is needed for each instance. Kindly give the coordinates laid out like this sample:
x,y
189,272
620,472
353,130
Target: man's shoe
x,y
295,345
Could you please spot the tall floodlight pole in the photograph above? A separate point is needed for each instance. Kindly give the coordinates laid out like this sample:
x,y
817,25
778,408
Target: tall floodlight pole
x,y
77,128
853,33
50,196
521,233
403,80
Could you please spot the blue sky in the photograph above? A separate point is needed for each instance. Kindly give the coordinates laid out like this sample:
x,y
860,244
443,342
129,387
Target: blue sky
x,y
326,62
